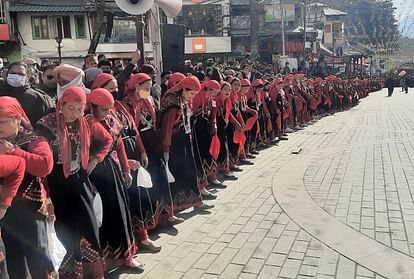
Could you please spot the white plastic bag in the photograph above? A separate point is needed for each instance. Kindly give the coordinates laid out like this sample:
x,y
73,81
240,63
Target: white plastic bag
x,y
144,178
170,176
56,250
97,208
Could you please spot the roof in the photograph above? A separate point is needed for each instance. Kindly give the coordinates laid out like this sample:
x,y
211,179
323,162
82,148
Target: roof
x,y
41,6
356,50
333,12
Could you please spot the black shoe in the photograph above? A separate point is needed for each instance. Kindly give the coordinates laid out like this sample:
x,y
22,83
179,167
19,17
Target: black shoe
x,y
249,156
244,162
229,177
149,247
236,168
209,197
254,152
283,138
204,207
217,185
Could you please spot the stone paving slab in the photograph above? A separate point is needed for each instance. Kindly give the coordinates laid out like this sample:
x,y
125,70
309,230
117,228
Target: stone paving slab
x,y
366,186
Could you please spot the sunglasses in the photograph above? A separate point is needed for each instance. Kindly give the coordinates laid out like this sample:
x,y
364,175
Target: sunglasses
x,y
50,77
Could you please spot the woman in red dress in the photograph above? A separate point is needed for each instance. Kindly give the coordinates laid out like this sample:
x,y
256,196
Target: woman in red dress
x,y
70,188
24,202
112,177
176,144
204,130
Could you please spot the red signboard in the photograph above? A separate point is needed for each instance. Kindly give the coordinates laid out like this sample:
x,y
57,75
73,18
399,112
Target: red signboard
x,y
4,32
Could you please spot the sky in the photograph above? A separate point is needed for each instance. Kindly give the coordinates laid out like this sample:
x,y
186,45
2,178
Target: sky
x,y
405,15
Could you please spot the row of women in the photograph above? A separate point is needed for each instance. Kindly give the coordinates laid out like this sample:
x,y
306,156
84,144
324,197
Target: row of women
x,y
95,144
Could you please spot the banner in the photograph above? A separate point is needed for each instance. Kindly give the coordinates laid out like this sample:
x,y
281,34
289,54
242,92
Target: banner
x,y
273,12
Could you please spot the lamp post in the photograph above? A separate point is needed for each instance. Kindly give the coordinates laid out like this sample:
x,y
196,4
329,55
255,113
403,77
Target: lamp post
x,y
59,42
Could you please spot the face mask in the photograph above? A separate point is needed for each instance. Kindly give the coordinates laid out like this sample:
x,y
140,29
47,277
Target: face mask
x,y
143,94
16,80
107,72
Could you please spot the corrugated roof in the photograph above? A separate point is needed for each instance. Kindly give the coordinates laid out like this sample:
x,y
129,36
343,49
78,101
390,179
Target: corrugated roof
x,y
333,12
40,6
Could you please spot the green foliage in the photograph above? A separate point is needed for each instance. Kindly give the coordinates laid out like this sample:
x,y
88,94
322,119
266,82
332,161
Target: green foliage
x,y
369,22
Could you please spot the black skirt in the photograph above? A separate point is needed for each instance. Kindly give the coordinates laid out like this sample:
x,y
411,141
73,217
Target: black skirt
x,y
115,234
76,225
234,148
184,190
223,157
141,204
25,238
206,166
160,190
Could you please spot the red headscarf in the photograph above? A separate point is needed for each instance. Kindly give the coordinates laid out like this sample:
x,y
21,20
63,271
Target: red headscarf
x,y
72,94
199,99
175,78
101,97
134,80
10,107
102,79
189,82
245,82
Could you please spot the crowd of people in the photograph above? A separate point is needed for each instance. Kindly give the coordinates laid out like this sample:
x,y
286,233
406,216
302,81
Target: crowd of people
x,y
73,133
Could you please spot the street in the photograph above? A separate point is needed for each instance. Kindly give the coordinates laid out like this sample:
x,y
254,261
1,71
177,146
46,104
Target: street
x,y
341,208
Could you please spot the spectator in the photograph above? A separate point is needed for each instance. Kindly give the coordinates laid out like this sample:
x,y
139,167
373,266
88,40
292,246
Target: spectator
x,y
105,66
35,103
286,70
48,83
91,60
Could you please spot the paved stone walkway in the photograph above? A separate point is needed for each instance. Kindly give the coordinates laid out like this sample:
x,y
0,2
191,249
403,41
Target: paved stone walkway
x,y
355,170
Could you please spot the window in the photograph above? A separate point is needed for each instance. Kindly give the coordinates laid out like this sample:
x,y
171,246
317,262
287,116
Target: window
x,y
40,28
63,27
80,27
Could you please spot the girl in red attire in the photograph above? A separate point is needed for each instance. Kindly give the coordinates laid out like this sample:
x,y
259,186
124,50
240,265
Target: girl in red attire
x,y
111,180
24,223
204,129
176,143
224,119
70,189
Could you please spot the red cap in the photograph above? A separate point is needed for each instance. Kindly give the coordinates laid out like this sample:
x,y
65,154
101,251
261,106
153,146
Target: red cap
x,y
245,82
100,97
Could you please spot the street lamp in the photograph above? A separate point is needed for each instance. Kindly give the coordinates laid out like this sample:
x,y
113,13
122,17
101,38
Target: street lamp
x,y
59,42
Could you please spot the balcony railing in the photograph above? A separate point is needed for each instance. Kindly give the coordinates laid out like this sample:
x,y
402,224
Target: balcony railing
x,y
240,22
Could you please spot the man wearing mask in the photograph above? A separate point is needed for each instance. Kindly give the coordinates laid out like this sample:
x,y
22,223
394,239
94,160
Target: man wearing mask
x,y
35,103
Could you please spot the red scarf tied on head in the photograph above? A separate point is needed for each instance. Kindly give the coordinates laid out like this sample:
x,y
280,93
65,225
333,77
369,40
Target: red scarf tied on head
x,y
102,79
191,83
72,94
101,97
133,81
10,107
175,78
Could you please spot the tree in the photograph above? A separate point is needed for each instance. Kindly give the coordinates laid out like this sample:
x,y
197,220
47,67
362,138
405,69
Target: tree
x,y
100,15
370,22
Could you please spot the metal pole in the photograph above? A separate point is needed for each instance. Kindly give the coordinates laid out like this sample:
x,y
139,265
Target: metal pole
x,y
254,29
60,52
283,29
333,58
304,26
139,27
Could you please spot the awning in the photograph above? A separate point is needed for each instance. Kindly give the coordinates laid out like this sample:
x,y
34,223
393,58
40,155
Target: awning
x,y
43,6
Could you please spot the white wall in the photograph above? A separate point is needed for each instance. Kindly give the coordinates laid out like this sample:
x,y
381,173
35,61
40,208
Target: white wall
x,y
37,47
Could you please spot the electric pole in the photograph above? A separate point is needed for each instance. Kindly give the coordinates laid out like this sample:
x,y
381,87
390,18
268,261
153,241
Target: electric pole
x,y
254,29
